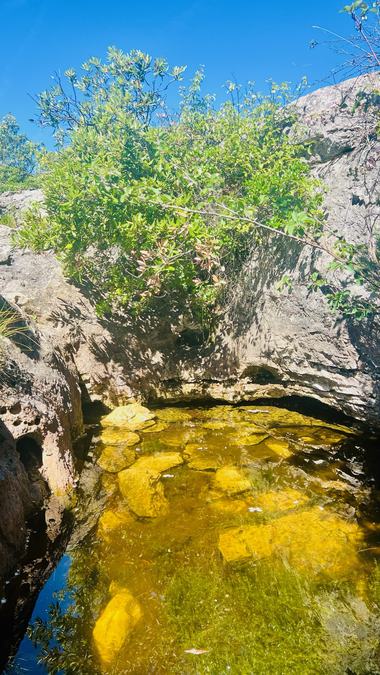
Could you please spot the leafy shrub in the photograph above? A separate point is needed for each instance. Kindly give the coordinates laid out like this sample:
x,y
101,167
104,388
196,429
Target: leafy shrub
x,y
150,210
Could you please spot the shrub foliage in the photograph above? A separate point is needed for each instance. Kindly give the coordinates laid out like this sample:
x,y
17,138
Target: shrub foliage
x,y
150,208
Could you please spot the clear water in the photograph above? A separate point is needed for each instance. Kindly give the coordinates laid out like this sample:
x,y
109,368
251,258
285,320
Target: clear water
x,y
229,540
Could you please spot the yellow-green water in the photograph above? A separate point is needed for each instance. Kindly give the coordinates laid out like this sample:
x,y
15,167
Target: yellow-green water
x,y
231,540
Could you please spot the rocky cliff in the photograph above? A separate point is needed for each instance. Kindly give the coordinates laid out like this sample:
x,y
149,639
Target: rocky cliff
x,y
270,344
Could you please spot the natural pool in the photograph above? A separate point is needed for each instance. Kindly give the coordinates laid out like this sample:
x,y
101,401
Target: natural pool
x,y
229,540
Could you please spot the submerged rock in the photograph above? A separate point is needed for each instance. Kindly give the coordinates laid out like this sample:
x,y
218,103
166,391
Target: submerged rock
x,y
115,624
216,425
112,436
133,417
231,480
252,439
229,506
154,429
200,459
313,541
173,415
140,484
115,458
111,520
280,500
279,446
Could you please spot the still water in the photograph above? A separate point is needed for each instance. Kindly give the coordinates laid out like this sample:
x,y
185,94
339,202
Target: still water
x,y
228,540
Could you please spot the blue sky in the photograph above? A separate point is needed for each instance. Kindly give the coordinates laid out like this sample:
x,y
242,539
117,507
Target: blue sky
x,y
234,40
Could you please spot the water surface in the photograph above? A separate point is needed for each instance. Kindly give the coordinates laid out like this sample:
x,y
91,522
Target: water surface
x,y
229,540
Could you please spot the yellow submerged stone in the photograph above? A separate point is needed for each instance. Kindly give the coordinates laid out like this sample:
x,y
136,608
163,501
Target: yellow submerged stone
x,y
229,506
115,624
312,541
141,487
215,425
253,439
173,415
112,436
279,446
231,480
115,458
111,520
132,417
281,500
154,429
199,459
272,417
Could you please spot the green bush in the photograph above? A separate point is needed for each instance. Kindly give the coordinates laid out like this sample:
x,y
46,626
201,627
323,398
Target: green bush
x,y
150,210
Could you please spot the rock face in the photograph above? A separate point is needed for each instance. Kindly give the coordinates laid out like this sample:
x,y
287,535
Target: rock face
x,y
291,342
270,344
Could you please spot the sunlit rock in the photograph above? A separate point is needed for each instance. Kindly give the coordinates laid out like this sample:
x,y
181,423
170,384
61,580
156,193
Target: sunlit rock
x,y
132,417
117,436
115,458
231,480
281,500
173,415
141,487
111,520
312,541
200,459
115,625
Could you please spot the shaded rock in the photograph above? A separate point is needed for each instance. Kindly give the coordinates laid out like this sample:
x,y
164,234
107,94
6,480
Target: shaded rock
x,y
231,479
140,484
313,541
115,625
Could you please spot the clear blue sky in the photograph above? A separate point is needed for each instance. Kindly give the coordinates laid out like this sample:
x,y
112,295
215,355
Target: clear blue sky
x,y
234,40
